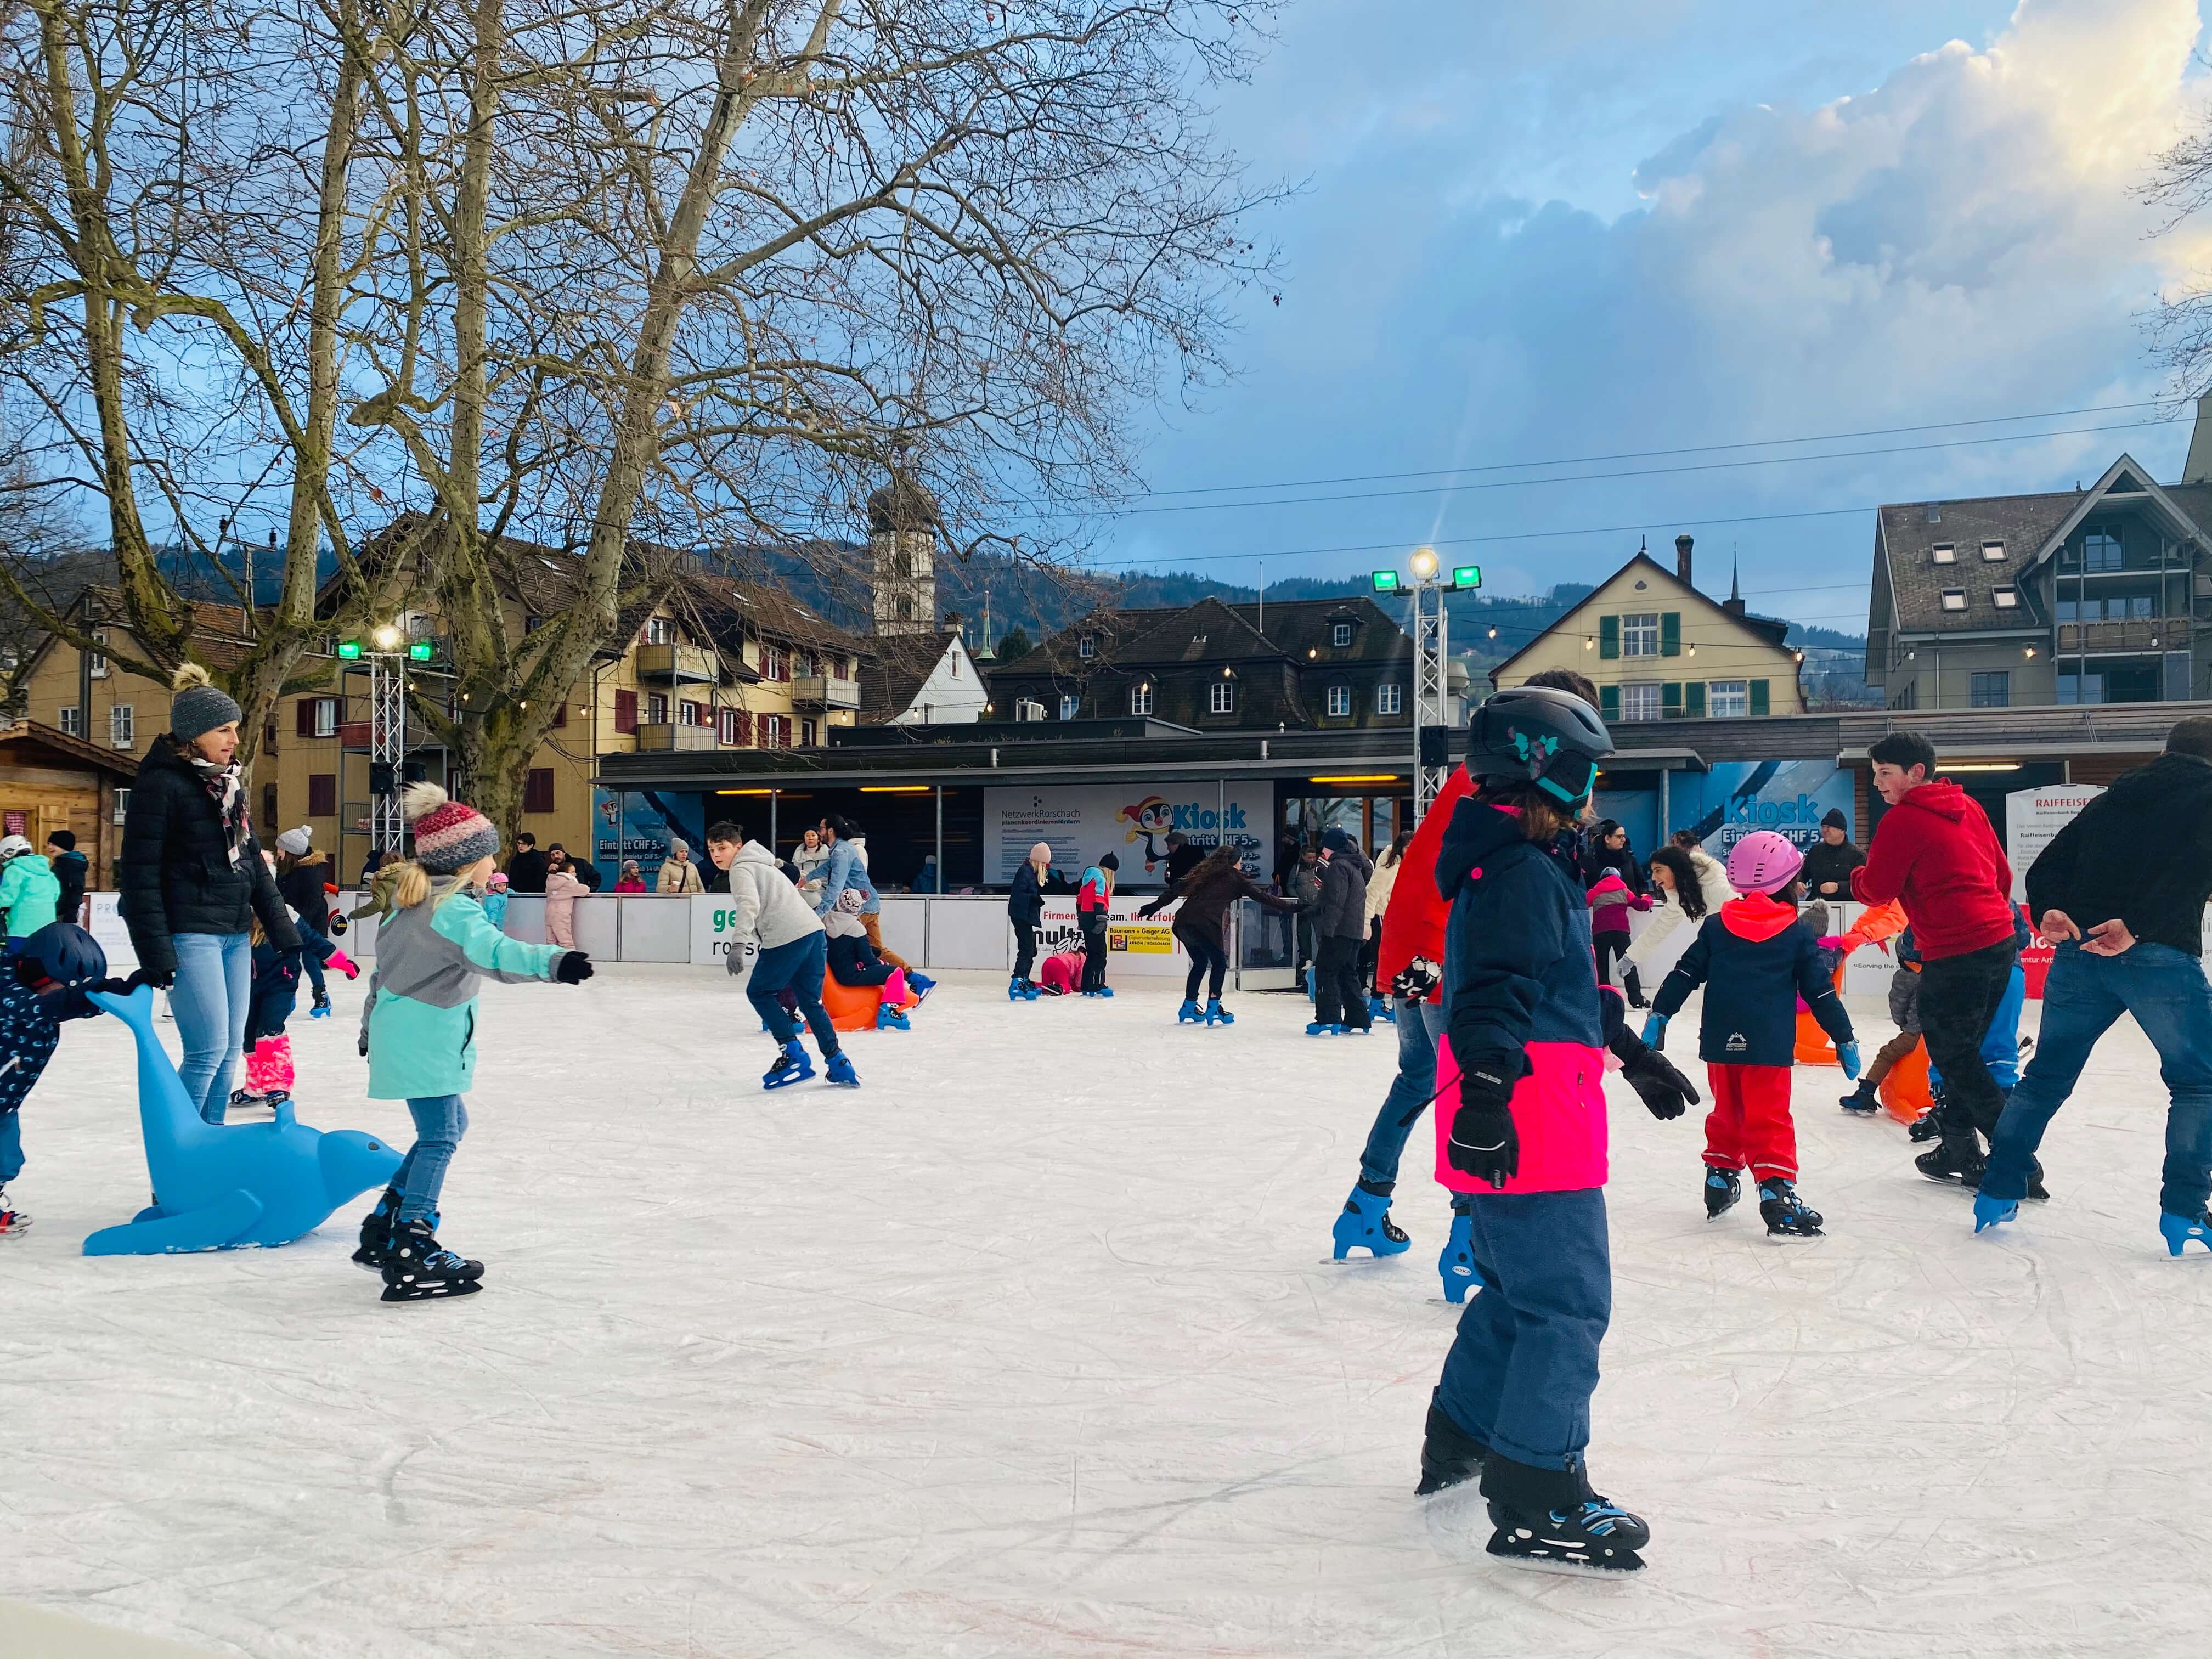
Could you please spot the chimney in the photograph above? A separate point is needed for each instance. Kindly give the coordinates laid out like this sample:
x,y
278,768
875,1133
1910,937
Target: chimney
x,y
2198,467
1683,544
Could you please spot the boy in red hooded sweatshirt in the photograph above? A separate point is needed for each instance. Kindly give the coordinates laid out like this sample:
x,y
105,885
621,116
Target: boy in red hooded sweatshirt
x,y
1935,853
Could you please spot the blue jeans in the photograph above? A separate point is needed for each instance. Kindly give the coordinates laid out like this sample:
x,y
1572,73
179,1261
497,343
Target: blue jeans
x,y
210,999
2165,991
441,1120
1411,1092
797,968
11,1146
1521,1371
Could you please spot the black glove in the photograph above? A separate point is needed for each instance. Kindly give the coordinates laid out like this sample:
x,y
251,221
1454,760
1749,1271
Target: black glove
x,y
1484,1142
364,1045
574,968
160,978
1664,1088
1416,980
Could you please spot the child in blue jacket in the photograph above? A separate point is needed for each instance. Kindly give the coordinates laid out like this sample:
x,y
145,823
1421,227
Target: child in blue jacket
x,y
1756,958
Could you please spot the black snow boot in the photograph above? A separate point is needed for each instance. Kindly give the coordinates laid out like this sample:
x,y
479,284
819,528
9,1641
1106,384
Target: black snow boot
x,y
1551,1519
1449,1456
417,1267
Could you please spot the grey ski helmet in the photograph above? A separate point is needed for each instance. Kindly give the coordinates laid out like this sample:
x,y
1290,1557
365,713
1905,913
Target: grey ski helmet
x,y
1533,734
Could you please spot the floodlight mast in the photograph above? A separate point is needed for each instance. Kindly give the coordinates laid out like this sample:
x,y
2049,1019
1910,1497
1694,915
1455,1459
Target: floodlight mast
x,y
1431,624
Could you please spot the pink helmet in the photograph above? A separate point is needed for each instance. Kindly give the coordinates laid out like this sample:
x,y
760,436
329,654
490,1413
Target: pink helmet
x,y
1763,862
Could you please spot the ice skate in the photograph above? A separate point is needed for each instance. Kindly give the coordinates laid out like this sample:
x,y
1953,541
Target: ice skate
x,y
1862,1102
1944,1164
321,1009
1323,1028
920,984
1366,1223
1218,1015
1189,1014
1994,1212
376,1232
792,1066
241,1097
841,1071
1787,1216
1722,1188
2037,1192
1597,1535
1020,990
15,1221
889,1018
1457,1264
2180,1229
1449,1456
417,1267
1379,1008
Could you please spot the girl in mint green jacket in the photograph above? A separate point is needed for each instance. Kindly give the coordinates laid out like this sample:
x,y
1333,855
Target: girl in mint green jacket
x,y
418,1029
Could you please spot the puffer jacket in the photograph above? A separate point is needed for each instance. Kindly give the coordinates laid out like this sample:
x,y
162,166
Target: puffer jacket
x,y
1756,960
1342,912
29,893
1521,994
420,1020
303,888
174,872
1206,894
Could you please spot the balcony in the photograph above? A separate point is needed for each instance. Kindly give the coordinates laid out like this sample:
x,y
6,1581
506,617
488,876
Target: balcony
x,y
676,664
670,736
356,734
2146,633
824,692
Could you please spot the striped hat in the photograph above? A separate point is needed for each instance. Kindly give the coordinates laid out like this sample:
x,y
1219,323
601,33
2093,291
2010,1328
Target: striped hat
x,y
448,835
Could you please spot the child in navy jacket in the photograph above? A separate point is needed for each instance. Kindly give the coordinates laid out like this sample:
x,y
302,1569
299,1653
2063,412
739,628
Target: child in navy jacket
x,y
1756,960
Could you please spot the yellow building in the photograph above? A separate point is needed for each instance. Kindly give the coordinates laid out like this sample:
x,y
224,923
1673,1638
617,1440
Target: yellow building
x,y
1659,650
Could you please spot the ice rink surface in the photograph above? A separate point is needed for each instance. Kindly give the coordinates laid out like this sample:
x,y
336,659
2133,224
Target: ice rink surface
x,y
1030,1346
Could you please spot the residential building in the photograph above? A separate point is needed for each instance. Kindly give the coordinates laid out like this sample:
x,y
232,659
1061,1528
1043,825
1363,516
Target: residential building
x,y
2082,596
51,780
1659,650
921,679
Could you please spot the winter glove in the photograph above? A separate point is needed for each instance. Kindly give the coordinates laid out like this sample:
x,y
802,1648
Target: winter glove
x,y
364,1045
1416,980
574,968
1484,1142
1848,1053
160,978
1655,1031
1662,1088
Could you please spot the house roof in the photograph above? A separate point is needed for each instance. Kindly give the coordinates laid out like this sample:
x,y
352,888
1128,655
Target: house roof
x,y
219,632
115,762
897,668
1770,630
769,610
1213,630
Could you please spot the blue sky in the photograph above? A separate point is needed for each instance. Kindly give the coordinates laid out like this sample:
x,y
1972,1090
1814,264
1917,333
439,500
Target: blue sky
x,y
1621,226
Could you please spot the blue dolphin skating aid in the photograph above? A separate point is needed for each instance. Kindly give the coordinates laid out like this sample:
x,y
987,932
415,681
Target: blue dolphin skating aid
x,y
1457,1264
2178,1229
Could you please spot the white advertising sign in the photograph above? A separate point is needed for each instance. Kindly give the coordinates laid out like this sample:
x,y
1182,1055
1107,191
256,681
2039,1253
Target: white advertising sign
x,y
1080,823
105,925
2033,818
1131,947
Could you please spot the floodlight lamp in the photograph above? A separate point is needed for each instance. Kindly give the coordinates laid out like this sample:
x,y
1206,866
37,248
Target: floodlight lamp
x,y
1385,582
1467,576
387,637
1424,562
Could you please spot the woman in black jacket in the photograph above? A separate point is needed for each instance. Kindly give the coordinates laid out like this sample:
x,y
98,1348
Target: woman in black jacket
x,y
1025,909
1206,893
192,878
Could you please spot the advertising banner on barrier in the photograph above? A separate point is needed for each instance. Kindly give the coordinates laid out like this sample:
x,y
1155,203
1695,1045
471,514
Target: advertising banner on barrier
x,y
1132,821
1131,947
2033,818
639,823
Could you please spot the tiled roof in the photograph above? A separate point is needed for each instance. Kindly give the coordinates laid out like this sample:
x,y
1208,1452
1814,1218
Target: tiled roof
x,y
897,667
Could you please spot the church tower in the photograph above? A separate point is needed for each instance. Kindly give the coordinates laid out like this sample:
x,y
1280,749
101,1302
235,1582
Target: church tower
x,y
903,526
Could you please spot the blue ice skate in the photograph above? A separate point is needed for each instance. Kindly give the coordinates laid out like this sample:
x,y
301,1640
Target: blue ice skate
x,y
1996,1212
1323,1028
2180,1229
1218,1015
1188,1014
841,1073
1366,1223
1020,990
1457,1264
889,1018
792,1066
920,984
224,1186
1379,1008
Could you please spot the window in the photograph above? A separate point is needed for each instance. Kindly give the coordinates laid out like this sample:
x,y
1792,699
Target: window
x,y
1221,697
2005,598
122,727
1944,553
1141,699
2142,607
1339,700
122,805
2086,688
1027,709
2101,550
97,664
691,714
809,735
1639,634
560,712
1954,599
1992,552
269,808
1340,634
1728,699
802,664
656,708
68,722
775,730
538,790
1069,702
775,666
1988,690
625,712
736,730
532,622
1086,648
659,630
955,664
1640,702
322,794
316,717
1934,514
1388,698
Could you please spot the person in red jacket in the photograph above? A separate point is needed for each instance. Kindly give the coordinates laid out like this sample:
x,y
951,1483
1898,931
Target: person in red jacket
x,y
1935,853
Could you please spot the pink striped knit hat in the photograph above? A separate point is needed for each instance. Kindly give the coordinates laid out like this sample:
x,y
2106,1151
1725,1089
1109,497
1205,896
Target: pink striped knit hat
x,y
448,834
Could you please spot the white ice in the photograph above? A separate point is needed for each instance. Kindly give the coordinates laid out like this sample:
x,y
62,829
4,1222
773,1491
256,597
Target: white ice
x,y
1030,1347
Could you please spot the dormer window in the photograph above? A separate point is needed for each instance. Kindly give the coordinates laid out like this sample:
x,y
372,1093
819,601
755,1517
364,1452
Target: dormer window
x,y
1944,553
1954,599
1935,513
1340,634
2006,599
659,630
1086,648
1992,552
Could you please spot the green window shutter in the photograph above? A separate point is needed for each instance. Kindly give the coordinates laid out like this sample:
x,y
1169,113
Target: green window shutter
x,y
1693,699
1670,633
1608,696
1758,704
1608,636
1670,700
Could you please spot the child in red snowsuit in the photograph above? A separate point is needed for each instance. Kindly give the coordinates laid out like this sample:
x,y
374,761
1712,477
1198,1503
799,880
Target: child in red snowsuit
x,y
1756,960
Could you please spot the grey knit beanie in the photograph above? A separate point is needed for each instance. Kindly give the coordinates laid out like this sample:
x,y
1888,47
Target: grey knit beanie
x,y
198,705
297,841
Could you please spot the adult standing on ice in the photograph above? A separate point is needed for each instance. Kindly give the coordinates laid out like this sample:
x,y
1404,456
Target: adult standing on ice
x,y
1522,1123
1024,910
777,944
192,879
1828,866
1340,924
1214,884
2121,892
